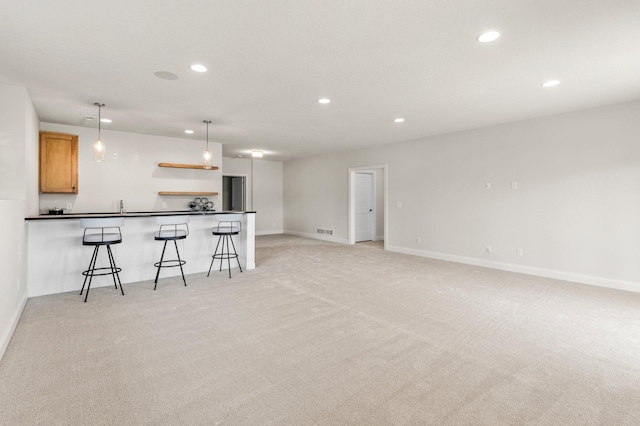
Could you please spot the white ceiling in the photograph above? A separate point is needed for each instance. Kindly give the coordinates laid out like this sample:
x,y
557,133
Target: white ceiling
x,y
270,61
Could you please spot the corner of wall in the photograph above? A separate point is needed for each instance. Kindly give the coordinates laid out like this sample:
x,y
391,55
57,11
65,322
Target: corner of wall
x,y
11,326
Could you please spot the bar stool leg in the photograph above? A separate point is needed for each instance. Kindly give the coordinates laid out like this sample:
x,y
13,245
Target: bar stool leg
x,y
213,258
228,254
160,264
179,262
236,253
224,240
114,269
91,266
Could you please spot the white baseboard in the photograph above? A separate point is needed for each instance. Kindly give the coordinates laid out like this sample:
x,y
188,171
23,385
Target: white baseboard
x,y
318,237
540,272
273,232
6,335
379,238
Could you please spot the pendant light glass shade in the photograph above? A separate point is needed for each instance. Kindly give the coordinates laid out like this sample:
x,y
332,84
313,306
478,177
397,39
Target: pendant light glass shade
x,y
98,150
206,155
98,145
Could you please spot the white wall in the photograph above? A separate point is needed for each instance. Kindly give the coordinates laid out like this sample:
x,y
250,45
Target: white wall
x,y
18,158
137,182
267,190
268,196
574,213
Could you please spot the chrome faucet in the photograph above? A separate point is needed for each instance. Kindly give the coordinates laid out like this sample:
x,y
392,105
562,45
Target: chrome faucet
x,y
121,207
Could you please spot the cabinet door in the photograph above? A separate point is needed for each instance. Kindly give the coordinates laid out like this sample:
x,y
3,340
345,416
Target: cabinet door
x,y
58,163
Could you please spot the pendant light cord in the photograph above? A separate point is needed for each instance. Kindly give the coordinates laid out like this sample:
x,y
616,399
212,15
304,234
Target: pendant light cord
x,y
207,136
207,121
99,105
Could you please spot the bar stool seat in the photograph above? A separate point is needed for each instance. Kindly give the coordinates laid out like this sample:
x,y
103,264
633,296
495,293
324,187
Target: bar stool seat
x,y
101,232
172,228
225,229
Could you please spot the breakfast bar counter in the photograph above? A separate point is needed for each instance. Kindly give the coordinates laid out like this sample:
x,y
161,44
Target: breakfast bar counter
x,y
56,256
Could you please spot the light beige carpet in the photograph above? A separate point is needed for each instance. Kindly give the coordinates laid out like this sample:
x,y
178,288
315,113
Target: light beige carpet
x,y
329,334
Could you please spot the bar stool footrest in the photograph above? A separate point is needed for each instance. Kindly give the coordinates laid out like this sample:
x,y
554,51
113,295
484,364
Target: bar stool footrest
x,y
91,273
224,256
175,263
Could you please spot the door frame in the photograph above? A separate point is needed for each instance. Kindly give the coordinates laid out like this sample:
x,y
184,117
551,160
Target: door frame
x,y
373,189
247,186
352,200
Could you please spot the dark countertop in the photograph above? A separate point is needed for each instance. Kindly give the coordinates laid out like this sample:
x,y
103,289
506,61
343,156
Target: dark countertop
x,y
129,214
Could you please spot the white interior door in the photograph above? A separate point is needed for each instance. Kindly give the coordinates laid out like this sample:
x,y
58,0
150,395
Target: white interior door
x,y
365,203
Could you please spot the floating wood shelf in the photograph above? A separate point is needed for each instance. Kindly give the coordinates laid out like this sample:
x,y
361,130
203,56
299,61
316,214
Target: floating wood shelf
x,y
186,193
187,166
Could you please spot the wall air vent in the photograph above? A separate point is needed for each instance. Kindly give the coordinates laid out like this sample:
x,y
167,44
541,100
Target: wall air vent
x,y
324,231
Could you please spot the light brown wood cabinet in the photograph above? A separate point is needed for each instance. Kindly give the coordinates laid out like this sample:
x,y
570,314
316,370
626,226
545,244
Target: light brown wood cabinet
x,y
58,163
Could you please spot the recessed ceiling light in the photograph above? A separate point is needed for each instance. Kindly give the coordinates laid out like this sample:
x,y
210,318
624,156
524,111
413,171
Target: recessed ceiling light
x,y
324,100
198,68
399,120
239,156
190,132
257,154
106,120
488,36
550,83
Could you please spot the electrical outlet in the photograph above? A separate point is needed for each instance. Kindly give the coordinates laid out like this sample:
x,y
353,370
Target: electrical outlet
x,y
519,252
136,157
69,206
487,185
164,205
487,249
399,204
514,185
115,156
418,240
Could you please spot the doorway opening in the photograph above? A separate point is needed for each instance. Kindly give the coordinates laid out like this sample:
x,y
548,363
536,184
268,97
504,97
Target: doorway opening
x,y
368,206
234,193
365,197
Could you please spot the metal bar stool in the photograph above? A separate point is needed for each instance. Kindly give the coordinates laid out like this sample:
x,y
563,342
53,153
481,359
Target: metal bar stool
x,y
101,232
172,228
225,229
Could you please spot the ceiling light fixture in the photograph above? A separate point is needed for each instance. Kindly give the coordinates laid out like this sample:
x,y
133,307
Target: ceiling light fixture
x,y
257,154
106,120
189,132
206,156
98,145
399,120
324,101
198,68
550,83
487,37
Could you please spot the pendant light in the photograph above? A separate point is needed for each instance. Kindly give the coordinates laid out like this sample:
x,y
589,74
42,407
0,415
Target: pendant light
x,y
98,145
206,156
